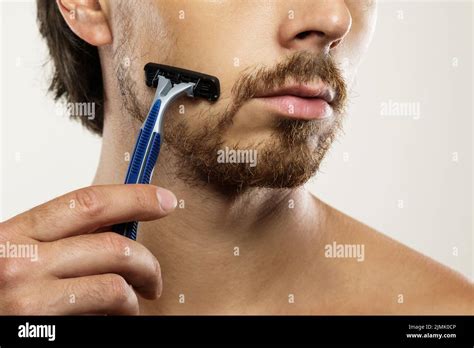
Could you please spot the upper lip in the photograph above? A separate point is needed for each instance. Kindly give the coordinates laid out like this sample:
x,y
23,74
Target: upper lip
x,y
316,90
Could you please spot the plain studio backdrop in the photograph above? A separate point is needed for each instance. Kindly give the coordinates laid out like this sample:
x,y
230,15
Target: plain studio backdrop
x,y
403,166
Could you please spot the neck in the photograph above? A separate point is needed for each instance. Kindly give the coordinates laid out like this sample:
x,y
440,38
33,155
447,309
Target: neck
x,y
214,245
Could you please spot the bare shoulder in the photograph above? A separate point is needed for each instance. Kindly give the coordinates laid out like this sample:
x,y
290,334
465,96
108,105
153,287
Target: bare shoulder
x,y
394,277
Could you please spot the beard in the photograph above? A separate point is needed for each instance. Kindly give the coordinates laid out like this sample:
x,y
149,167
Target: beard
x,y
287,159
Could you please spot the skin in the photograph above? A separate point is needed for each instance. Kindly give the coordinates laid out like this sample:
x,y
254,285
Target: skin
x,y
280,232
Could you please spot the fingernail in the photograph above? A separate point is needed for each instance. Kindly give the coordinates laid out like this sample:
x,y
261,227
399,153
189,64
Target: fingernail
x,y
167,200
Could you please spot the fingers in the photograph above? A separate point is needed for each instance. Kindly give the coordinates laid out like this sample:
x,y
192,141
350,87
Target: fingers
x,y
76,271
97,294
90,208
105,253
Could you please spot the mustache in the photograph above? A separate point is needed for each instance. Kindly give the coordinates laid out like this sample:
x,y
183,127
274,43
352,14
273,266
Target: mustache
x,y
299,67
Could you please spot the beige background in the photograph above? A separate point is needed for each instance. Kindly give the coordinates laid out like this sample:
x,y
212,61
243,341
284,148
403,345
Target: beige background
x,y
422,52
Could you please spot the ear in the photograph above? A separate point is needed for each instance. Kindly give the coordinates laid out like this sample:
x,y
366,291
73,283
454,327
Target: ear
x,y
87,20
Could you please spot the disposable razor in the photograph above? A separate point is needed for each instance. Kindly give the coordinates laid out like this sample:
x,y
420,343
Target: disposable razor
x,y
170,83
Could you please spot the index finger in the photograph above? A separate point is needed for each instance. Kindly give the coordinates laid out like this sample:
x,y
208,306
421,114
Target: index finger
x,y
87,209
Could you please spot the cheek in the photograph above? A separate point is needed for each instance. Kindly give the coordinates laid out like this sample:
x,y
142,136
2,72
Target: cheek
x,y
216,37
356,43
191,43
194,115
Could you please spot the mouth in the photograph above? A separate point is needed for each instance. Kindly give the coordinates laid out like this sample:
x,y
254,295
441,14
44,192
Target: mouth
x,y
300,101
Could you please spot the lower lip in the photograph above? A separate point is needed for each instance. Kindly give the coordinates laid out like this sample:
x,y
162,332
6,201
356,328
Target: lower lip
x,y
299,108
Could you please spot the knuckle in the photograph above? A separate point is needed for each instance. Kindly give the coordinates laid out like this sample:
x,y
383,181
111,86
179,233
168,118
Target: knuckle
x,y
158,278
19,306
88,202
10,270
117,244
3,232
119,290
131,307
149,260
156,267
13,227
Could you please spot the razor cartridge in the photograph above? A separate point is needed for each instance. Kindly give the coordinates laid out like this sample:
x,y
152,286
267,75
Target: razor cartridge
x,y
206,86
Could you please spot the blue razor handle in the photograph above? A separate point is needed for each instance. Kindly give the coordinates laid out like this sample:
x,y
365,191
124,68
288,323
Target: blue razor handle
x,y
147,146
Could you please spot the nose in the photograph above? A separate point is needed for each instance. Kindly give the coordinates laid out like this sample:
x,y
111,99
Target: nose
x,y
316,25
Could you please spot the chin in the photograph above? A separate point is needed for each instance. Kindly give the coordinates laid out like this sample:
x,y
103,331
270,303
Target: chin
x,y
270,165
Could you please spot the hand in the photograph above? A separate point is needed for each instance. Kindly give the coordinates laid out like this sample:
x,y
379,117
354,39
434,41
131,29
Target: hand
x,y
70,264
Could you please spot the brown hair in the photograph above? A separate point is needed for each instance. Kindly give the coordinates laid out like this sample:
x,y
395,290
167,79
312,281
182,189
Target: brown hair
x,y
77,75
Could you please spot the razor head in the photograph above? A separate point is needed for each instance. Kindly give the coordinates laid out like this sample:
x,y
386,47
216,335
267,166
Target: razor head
x,y
206,86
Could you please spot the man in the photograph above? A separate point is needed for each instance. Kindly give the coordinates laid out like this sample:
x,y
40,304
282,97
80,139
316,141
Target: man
x,y
245,237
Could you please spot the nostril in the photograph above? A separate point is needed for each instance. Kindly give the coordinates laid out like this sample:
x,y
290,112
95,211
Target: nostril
x,y
304,34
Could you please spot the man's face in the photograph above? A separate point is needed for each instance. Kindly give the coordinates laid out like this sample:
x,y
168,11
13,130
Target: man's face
x,y
284,67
